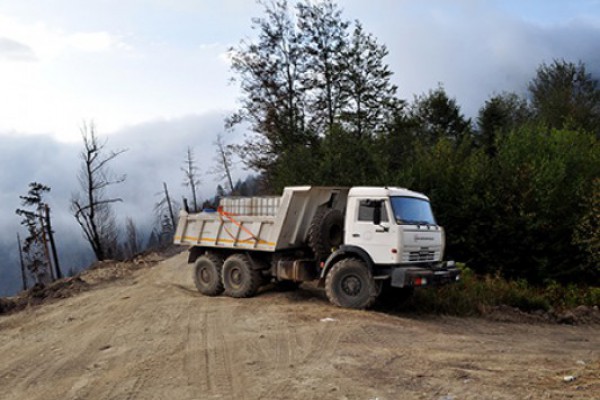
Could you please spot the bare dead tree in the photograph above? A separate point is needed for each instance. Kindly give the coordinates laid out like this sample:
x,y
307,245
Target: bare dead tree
x,y
166,230
132,241
91,208
166,206
223,162
191,179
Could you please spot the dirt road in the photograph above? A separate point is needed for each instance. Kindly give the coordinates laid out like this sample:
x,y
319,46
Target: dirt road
x,y
152,336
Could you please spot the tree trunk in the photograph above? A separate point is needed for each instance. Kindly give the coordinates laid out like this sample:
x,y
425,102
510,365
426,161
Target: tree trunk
x,y
169,205
46,251
58,272
23,276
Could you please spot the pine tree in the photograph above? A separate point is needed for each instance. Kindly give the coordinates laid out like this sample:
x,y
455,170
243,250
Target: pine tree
x,y
40,256
324,38
370,96
565,95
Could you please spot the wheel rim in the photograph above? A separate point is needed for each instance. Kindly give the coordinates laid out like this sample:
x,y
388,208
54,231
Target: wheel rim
x,y
235,277
205,276
351,285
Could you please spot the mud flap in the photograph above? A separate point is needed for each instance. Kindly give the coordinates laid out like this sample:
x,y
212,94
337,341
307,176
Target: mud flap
x,y
398,277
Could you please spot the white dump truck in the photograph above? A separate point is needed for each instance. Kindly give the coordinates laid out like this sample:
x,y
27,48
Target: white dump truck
x,y
357,242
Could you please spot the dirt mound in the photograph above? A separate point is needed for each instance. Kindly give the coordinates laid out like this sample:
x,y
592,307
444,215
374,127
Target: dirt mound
x,y
98,273
40,293
578,315
57,290
581,315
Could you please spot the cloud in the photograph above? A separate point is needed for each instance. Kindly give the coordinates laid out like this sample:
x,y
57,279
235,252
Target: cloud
x,y
15,51
155,154
48,42
474,48
94,41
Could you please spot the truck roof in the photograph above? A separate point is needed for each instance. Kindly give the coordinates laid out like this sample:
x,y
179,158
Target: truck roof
x,y
378,191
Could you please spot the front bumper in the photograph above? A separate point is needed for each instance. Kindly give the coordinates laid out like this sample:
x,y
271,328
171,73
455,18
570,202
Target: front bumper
x,y
418,276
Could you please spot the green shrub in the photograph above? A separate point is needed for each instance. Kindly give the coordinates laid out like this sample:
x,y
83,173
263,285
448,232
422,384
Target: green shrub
x,y
473,294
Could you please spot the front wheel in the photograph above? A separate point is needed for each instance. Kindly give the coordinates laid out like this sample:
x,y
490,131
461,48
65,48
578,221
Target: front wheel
x,y
350,284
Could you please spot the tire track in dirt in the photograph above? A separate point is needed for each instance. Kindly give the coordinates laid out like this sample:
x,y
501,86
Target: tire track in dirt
x,y
292,350
197,367
210,360
100,384
49,362
150,348
160,351
278,352
325,341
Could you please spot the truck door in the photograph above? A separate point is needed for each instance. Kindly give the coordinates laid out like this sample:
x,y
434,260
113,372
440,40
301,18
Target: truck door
x,y
380,241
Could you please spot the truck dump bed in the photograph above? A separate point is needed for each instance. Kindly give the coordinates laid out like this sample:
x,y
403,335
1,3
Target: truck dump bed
x,y
259,223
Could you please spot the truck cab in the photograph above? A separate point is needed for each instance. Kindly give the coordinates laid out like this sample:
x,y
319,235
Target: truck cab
x,y
391,233
393,225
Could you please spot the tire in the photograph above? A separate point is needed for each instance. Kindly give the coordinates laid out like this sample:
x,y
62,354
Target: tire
x,y
349,284
326,232
207,275
239,279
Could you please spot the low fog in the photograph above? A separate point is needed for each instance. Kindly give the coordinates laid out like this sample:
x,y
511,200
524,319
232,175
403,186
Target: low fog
x,y
155,154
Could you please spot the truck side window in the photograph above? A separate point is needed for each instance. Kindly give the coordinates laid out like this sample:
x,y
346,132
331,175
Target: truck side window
x,y
365,212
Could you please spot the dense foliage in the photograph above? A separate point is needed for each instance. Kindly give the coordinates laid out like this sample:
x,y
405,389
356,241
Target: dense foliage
x,y
517,189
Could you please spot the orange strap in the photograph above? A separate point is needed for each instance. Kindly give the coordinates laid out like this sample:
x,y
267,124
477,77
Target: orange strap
x,y
229,216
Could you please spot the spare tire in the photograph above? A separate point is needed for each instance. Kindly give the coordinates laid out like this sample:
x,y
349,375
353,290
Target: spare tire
x,y
326,232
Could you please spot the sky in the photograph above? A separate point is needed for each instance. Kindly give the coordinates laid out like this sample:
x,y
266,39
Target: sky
x,y
154,77
130,61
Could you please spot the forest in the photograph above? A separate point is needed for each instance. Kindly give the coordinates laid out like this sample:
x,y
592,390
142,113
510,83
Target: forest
x,y
517,188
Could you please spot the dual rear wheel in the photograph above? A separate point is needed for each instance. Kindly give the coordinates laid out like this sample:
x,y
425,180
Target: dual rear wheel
x,y
235,276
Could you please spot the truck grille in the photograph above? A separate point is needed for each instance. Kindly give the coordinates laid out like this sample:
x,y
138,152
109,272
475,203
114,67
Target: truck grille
x,y
423,255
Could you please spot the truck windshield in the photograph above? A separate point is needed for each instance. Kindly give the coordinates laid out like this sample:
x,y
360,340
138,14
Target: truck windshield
x,y
412,211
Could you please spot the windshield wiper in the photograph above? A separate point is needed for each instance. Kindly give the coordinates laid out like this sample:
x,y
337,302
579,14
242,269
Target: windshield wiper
x,y
415,222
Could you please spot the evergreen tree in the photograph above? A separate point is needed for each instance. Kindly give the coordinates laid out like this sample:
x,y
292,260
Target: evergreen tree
x,y
564,94
270,76
323,35
500,115
36,246
438,116
370,100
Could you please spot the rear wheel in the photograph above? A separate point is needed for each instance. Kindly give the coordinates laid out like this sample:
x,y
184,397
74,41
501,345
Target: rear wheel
x,y
207,274
239,278
350,284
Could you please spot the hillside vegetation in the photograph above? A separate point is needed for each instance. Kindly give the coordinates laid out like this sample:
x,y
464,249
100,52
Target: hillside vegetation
x,y
517,189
